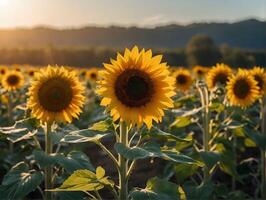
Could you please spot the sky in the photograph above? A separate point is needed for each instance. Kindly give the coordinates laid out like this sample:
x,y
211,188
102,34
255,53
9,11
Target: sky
x,y
78,13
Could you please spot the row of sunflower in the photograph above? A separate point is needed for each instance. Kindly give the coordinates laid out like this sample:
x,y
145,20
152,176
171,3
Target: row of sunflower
x,y
198,123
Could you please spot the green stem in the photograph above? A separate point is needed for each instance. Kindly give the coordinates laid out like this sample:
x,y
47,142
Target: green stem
x,y
10,119
263,155
235,162
123,164
48,169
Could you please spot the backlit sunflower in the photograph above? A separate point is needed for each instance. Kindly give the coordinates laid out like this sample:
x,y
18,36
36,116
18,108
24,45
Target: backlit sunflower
x,y
55,95
218,75
242,89
183,79
12,80
3,70
92,74
136,87
200,71
260,77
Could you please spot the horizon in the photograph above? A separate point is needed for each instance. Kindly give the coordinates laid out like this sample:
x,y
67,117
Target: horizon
x,y
151,13
47,26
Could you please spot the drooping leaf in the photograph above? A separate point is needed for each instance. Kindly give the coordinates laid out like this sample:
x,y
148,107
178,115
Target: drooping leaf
x,y
102,126
84,135
157,189
201,192
85,180
19,182
258,138
73,161
181,122
210,158
150,150
157,132
21,130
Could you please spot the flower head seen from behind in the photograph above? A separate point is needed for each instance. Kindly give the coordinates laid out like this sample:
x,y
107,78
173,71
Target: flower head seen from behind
x,y
242,89
260,77
183,79
136,87
55,95
13,80
218,75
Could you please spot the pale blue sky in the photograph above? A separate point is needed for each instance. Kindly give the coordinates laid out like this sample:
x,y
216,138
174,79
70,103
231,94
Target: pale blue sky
x,y
76,13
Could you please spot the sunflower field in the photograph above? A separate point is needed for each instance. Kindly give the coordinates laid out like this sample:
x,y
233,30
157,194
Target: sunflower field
x,y
136,129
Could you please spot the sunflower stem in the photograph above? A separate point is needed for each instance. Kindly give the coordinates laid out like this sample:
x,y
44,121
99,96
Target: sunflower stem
x,y
123,164
263,154
10,118
48,169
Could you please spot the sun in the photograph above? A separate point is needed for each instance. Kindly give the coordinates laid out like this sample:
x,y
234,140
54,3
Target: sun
x,y
4,3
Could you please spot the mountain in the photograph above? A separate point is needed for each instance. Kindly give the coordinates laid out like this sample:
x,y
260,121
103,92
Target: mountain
x,y
250,34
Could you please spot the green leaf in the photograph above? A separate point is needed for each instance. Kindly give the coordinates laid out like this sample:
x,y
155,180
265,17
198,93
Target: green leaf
x,y
73,161
150,150
258,138
21,130
157,132
157,189
19,182
102,126
84,135
184,171
181,122
249,143
85,180
210,158
201,192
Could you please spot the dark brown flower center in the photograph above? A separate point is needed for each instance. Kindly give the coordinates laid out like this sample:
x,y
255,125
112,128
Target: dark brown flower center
x,y
181,79
31,73
220,78
259,81
93,76
13,80
55,94
3,71
241,88
199,72
134,88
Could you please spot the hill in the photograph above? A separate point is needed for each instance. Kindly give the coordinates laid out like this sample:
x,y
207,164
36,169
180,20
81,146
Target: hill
x,y
249,34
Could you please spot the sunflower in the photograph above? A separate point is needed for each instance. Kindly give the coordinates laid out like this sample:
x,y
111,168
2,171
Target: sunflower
x,y
3,70
12,80
136,87
218,75
31,72
183,79
56,95
92,74
200,71
260,77
242,89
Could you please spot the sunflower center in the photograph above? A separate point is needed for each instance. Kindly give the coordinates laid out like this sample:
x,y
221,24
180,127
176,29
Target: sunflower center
x,y
199,72
241,88
134,88
220,79
259,81
13,80
2,71
93,76
181,79
31,73
55,94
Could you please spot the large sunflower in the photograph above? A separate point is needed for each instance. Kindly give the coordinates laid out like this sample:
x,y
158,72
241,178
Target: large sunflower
x,y
218,75
136,87
242,89
55,95
183,79
260,77
13,80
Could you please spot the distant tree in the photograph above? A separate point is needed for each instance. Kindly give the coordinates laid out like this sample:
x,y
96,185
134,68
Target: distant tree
x,y
201,50
236,57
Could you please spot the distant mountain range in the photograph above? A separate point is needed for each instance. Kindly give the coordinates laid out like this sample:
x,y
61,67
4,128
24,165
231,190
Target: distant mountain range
x,y
249,34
